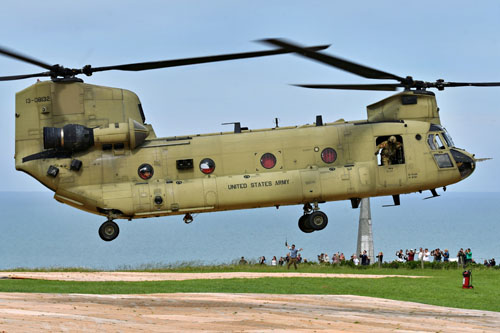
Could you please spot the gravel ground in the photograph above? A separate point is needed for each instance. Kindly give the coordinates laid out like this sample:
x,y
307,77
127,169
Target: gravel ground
x,y
20,312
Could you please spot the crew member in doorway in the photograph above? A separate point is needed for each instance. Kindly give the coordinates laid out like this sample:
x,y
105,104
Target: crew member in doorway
x,y
390,149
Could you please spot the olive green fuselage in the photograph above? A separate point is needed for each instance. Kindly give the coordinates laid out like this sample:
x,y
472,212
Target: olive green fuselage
x,y
109,181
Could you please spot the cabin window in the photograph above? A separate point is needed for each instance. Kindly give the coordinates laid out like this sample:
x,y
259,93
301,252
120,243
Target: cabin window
x,y
390,150
207,166
268,160
328,155
145,171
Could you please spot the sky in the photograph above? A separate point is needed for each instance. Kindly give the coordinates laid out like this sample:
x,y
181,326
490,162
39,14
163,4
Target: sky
x,y
452,40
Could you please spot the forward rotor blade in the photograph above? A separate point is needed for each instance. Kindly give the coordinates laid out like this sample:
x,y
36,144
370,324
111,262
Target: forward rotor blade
x,y
24,58
343,64
198,60
471,84
378,87
25,76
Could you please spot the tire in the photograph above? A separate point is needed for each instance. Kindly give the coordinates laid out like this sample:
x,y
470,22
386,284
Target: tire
x,y
317,220
108,231
304,224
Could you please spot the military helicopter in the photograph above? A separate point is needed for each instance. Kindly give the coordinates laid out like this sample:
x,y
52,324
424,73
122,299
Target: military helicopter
x,y
91,145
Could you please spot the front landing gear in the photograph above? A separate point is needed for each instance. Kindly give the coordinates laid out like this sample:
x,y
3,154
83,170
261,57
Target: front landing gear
x,y
304,225
109,230
318,220
313,219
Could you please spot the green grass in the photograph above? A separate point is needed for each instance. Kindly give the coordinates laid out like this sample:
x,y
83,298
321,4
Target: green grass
x,y
442,288
412,268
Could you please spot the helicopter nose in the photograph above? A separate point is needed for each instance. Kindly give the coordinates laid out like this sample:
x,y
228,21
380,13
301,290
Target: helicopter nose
x,y
465,162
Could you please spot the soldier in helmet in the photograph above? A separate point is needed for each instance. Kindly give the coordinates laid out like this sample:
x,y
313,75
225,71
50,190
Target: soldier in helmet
x,y
389,148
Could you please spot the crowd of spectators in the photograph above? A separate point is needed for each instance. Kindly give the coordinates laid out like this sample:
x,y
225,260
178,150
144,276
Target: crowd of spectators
x,y
463,257
490,263
274,262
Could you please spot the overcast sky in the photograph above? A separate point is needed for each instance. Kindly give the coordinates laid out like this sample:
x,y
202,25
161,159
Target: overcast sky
x,y
452,40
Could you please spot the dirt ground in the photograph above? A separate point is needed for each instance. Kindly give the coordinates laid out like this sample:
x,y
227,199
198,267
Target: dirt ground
x,y
146,276
26,312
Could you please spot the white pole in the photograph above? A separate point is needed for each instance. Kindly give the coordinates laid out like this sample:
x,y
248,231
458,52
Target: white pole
x,y
365,233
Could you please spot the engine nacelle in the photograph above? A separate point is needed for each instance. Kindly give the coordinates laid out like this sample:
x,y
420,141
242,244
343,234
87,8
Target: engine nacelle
x,y
74,137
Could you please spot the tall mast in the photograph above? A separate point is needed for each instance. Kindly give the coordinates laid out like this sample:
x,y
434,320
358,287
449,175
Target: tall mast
x,y
365,233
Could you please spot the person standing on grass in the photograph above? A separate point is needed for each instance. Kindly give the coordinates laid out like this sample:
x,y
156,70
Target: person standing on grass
x,y
421,255
293,255
380,257
274,261
427,255
468,256
446,255
243,261
364,259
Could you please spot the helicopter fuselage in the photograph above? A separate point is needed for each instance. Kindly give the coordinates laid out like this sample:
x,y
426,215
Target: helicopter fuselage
x,y
127,172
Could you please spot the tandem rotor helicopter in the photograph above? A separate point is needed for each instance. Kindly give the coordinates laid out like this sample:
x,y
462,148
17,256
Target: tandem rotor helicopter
x,y
91,145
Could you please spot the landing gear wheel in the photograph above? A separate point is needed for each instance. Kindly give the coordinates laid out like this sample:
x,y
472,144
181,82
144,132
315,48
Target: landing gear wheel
x,y
304,224
187,218
318,220
109,230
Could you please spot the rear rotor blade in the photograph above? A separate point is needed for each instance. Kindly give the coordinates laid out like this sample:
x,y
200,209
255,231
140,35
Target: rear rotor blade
x,y
25,76
343,64
198,60
56,71
24,58
378,87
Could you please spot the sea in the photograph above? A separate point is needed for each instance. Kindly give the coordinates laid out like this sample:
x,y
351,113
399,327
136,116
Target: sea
x,y
38,232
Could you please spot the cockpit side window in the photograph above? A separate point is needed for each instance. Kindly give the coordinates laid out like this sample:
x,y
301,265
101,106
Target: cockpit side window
x,y
439,142
430,141
436,141
443,160
445,135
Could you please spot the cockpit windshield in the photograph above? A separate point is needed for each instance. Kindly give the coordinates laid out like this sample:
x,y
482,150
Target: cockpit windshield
x,y
447,138
444,133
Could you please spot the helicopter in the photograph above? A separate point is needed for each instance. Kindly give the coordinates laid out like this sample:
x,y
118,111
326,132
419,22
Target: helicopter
x,y
92,147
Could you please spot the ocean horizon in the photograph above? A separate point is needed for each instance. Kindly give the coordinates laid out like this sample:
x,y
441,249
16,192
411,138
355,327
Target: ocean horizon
x,y
39,232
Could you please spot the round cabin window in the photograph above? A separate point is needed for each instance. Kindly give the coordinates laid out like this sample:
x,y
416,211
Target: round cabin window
x,y
268,161
207,166
328,155
145,171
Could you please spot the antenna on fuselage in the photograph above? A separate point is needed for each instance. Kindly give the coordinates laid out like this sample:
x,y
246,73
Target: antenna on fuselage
x,y
237,126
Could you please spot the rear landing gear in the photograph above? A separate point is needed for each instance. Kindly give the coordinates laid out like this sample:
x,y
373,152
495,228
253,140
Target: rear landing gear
x,y
188,218
313,219
109,230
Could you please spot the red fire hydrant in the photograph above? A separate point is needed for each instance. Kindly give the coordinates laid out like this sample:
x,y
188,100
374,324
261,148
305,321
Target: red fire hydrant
x,y
467,281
